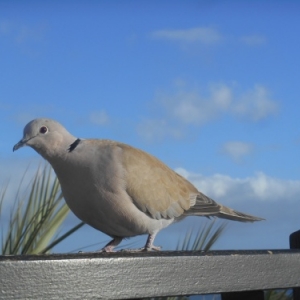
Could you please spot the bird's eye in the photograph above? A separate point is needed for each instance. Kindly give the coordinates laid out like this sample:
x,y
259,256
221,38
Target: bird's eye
x,y
43,129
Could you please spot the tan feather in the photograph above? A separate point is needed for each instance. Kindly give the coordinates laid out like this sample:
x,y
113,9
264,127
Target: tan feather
x,y
155,188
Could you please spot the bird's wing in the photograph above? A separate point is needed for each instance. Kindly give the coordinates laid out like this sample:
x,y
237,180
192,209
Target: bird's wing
x,y
204,206
153,187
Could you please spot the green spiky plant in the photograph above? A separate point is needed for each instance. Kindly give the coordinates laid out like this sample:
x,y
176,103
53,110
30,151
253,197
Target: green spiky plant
x,y
202,238
36,216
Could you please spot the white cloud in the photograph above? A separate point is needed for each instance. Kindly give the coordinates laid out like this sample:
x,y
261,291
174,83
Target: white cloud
x,y
253,40
255,104
99,118
221,95
204,35
185,108
194,107
237,150
190,107
156,130
259,187
21,32
5,27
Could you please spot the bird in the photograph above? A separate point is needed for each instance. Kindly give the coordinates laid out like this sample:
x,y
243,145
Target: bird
x,y
118,189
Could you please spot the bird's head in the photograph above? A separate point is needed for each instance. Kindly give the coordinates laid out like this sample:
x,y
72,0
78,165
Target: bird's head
x,y
45,136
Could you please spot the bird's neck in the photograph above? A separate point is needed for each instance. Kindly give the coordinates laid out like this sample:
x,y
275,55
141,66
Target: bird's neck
x,y
59,149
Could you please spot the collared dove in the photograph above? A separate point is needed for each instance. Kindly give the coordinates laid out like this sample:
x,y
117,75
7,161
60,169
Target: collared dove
x,y
118,189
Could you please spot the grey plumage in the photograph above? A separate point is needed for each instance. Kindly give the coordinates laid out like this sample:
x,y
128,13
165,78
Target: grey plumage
x,y
118,189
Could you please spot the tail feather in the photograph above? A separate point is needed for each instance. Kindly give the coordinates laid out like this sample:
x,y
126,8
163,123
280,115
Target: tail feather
x,y
205,206
230,214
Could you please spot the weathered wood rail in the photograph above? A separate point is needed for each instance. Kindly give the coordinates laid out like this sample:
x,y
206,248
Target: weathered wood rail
x,y
125,275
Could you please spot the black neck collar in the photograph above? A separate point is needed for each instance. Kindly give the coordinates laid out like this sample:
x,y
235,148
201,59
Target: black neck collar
x,y
74,145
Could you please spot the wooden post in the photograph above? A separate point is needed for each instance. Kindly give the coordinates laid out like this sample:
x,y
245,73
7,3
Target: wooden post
x,y
295,244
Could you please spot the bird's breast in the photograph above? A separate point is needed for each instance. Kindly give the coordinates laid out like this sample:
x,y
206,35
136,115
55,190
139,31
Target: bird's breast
x,y
95,190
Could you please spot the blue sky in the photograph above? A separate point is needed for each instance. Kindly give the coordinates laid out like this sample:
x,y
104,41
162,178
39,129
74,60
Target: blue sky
x,y
209,87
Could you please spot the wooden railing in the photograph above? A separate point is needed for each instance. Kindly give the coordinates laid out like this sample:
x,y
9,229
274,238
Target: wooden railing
x,y
124,275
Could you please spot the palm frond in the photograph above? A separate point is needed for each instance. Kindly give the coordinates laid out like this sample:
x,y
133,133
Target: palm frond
x,y
201,238
36,216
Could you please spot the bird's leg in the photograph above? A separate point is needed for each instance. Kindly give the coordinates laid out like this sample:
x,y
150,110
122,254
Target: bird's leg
x,y
149,244
112,244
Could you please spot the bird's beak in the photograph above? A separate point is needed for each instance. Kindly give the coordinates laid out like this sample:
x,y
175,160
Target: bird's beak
x,y
20,144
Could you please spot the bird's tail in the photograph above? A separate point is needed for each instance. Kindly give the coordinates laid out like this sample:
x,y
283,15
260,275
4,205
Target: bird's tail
x,y
230,214
205,206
